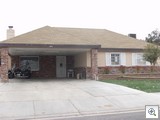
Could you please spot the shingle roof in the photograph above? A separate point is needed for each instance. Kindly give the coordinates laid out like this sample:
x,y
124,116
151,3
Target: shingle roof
x,y
77,36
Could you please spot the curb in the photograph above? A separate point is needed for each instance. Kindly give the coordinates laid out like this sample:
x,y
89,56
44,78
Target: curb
x,y
72,115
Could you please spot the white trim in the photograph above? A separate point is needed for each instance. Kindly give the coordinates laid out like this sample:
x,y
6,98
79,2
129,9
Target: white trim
x,y
134,57
122,58
108,59
134,60
119,56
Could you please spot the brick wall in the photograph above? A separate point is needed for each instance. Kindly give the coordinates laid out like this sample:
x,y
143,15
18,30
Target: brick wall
x,y
117,72
4,64
15,60
47,66
134,76
94,63
81,71
128,69
84,71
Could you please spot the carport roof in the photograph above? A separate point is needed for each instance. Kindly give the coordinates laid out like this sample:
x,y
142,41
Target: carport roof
x,y
75,37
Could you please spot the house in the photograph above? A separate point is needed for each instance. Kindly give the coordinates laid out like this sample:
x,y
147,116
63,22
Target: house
x,y
54,52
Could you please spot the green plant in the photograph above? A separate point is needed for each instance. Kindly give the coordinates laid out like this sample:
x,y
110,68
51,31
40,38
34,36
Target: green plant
x,y
122,69
106,70
152,69
151,53
138,69
144,85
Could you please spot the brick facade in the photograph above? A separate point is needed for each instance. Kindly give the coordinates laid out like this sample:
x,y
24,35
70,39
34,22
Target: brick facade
x,y
124,72
47,66
133,76
128,69
81,71
4,64
94,64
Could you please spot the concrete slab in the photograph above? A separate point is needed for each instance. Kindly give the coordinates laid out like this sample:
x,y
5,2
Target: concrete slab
x,y
93,105
127,101
52,107
38,98
16,109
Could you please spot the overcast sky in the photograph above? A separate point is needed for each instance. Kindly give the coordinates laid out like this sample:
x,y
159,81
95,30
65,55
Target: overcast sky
x,y
122,16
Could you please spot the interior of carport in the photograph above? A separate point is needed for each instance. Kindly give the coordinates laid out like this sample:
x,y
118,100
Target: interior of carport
x,y
53,62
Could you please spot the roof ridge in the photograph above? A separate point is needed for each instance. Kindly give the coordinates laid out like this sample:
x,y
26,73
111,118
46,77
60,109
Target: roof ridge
x,y
79,28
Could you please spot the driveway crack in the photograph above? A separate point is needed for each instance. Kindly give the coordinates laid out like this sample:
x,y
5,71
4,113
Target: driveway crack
x,y
75,106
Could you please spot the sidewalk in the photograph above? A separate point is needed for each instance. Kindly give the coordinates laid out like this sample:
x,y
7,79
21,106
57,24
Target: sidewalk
x,y
62,98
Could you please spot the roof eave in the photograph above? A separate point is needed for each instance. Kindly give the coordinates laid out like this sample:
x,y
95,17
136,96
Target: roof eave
x,y
120,49
2,45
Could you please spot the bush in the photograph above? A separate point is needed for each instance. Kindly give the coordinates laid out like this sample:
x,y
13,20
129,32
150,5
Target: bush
x,y
107,71
122,69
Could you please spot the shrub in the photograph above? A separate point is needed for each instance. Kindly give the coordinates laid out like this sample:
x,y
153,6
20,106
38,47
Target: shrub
x,y
106,70
122,69
138,69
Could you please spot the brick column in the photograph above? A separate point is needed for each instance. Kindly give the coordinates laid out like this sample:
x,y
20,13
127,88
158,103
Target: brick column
x,y
4,65
94,64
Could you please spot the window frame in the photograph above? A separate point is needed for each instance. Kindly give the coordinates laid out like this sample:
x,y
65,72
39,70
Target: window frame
x,y
138,60
135,60
37,69
114,56
122,59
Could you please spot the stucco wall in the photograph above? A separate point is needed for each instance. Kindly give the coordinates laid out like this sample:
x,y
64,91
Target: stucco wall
x,y
9,62
88,59
102,59
128,59
83,59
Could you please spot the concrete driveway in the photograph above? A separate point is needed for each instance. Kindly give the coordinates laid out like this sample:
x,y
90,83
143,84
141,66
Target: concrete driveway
x,y
62,98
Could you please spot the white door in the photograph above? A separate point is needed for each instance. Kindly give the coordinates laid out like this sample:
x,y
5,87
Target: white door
x,y
60,66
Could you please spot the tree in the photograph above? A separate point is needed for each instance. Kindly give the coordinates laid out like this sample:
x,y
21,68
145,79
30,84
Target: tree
x,y
151,53
154,37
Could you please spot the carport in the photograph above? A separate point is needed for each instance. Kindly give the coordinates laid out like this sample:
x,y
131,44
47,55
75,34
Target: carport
x,y
50,61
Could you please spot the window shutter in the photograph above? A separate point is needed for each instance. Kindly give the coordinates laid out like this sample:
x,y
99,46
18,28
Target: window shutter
x,y
108,59
134,59
123,58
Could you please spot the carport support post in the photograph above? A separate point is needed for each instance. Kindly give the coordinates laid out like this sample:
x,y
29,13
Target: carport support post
x,y
4,64
94,64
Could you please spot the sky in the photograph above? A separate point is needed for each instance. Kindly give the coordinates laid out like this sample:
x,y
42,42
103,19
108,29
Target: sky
x,y
122,16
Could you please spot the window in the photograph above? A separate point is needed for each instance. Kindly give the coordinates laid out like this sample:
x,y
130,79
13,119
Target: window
x,y
140,60
31,61
137,59
115,59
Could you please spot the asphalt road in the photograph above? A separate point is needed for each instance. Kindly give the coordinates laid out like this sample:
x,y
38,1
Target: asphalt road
x,y
122,116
